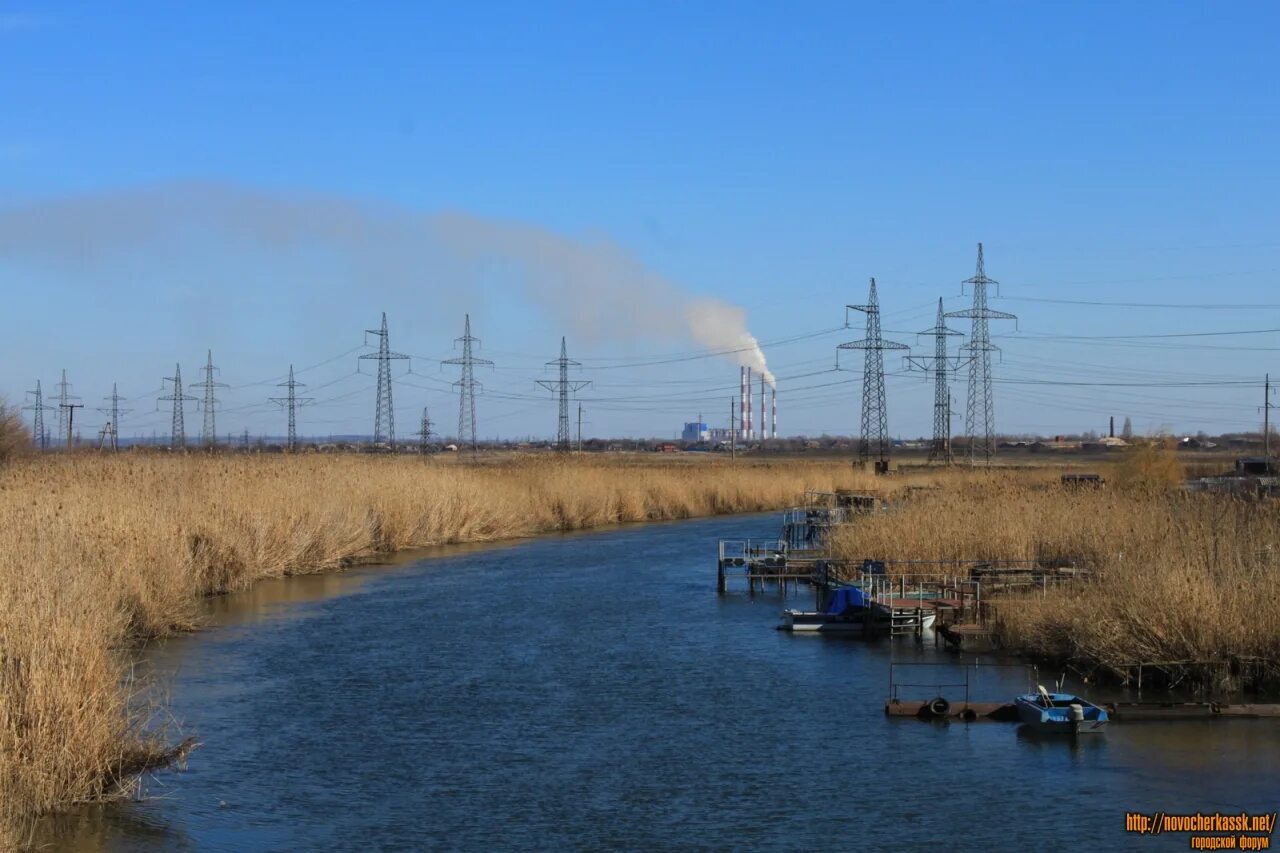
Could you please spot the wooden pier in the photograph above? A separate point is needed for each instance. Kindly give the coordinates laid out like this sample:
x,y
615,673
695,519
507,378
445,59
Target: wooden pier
x,y
960,705
761,562
1144,711
1127,712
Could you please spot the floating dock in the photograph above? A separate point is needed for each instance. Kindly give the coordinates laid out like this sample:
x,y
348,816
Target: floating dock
x,y
965,712
1134,711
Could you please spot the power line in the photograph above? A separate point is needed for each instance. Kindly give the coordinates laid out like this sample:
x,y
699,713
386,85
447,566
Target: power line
x,y
561,387
874,439
980,415
291,401
65,408
208,429
38,408
384,428
466,385
111,429
941,366
424,432
177,428
1171,305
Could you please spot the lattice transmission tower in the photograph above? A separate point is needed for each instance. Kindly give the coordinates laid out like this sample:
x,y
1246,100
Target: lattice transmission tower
x,y
424,432
561,387
37,407
384,413
110,435
290,402
65,409
874,441
942,366
177,428
979,413
208,403
466,386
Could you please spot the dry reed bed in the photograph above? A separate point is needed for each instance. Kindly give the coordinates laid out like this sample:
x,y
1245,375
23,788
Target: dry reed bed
x,y
99,552
1180,577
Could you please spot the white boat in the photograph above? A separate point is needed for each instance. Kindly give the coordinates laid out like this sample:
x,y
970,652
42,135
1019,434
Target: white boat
x,y
849,610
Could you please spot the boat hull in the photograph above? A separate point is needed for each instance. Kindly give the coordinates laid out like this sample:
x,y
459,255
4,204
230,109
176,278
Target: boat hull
x,y
1056,719
802,622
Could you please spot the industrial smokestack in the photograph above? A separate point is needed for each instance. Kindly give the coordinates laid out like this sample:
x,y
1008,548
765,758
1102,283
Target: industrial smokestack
x,y
764,413
742,403
773,399
750,425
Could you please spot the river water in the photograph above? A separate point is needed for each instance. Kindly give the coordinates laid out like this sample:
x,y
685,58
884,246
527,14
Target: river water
x,y
593,692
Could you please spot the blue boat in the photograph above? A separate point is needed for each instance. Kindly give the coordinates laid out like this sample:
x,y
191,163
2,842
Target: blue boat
x,y
1060,713
850,610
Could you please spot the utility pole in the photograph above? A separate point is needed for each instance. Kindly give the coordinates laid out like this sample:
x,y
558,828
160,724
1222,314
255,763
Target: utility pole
x,y
384,429
64,399
1266,416
562,387
71,416
177,429
111,430
980,416
37,408
941,366
290,401
208,432
579,427
874,441
466,385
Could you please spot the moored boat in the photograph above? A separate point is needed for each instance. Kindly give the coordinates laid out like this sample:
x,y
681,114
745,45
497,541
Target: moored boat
x,y
850,611
1060,713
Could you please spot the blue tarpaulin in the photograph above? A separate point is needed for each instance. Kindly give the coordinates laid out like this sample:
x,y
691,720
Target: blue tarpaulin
x,y
846,599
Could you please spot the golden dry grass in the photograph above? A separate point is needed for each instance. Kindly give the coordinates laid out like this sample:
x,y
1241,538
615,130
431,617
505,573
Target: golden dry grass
x,y
99,552
1178,576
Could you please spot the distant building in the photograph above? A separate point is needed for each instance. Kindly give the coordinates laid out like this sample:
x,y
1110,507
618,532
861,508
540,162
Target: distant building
x,y
719,434
695,432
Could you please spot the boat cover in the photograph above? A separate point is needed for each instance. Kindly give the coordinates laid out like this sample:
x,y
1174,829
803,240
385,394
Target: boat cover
x,y
846,598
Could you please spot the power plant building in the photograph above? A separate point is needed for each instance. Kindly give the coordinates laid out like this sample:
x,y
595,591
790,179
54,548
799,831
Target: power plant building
x,y
696,431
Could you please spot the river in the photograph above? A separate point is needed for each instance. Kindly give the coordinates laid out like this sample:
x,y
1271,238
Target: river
x,y
592,691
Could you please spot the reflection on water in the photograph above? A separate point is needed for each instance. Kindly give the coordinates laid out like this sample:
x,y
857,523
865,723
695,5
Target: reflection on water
x,y
274,598
594,692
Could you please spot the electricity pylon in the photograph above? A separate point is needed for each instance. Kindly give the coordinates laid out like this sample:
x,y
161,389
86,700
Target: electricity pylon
x,y
384,413
177,428
208,429
562,386
111,429
979,414
466,385
424,432
38,407
942,366
874,441
291,401
65,408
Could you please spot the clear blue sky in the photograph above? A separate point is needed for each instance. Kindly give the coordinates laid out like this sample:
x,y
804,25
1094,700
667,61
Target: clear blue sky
x,y
772,155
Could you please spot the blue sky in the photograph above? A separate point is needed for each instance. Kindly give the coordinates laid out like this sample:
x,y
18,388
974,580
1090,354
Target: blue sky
x,y
774,156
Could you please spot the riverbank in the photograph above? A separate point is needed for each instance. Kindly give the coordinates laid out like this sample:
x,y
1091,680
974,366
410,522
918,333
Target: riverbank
x,y
99,553
1175,577
550,692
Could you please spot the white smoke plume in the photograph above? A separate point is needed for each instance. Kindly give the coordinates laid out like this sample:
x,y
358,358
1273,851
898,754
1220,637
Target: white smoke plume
x,y
595,287
721,327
